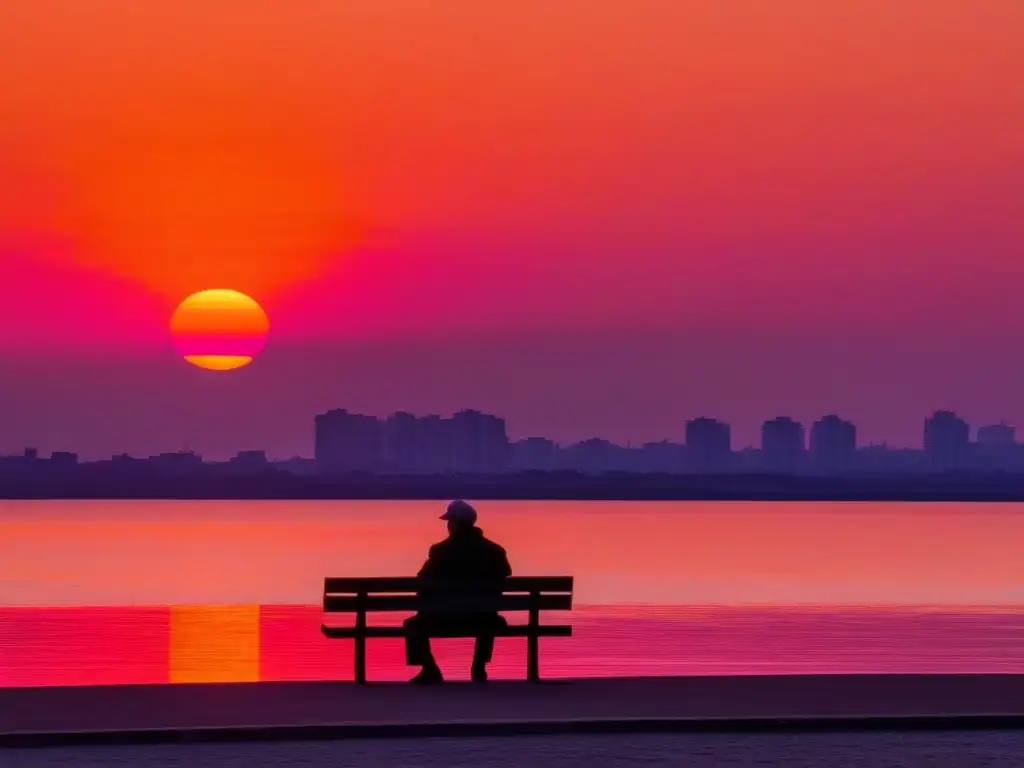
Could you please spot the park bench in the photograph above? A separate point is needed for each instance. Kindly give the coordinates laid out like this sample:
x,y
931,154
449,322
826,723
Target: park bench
x,y
362,596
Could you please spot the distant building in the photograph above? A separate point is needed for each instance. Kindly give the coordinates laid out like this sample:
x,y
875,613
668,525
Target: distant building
x,y
534,454
880,459
708,445
249,461
436,451
747,460
176,462
29,463
594,456
25,461
663,456
297,465
480,442
348,442
470,442
997,434
997,449
782,444
833,444
946,441
404,444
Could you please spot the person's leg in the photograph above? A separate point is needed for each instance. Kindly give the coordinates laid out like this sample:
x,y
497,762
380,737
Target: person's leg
x,y
483,649
418,651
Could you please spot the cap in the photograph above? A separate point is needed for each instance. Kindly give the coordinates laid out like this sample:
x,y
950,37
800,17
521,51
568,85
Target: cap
x,y
460,511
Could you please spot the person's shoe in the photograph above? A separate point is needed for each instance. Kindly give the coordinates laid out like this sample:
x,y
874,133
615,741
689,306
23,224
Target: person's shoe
x,y
428,676
479,674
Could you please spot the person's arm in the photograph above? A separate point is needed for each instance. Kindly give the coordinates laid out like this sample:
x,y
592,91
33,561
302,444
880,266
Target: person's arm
x,y
429,569
504,569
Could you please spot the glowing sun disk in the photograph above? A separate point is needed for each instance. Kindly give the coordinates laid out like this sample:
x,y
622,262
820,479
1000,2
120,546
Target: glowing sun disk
x,y
219,329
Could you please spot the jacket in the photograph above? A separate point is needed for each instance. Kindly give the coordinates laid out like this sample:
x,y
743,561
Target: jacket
x,y
467,563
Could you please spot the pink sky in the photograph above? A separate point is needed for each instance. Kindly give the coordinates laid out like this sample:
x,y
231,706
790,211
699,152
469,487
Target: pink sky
x,y
616,215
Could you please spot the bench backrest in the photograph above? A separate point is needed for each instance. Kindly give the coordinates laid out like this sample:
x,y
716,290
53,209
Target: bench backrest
x,y
388,594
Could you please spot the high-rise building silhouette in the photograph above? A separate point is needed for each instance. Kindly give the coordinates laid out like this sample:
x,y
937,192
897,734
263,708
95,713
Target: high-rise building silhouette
x,y
348,442
946,441
782,444
480,442
437,444
708,445
833,444
404,444
469,441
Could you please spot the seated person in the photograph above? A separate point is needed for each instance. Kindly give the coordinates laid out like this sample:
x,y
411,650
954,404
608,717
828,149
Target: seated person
x,y
466,563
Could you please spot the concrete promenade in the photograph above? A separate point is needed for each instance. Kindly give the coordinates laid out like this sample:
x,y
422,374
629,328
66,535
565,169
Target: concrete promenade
x,y
293,711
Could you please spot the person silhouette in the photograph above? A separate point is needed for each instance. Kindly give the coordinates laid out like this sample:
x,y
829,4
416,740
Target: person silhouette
x,y
465,563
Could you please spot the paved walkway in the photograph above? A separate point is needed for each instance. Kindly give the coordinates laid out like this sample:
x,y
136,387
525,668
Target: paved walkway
x,y
275,711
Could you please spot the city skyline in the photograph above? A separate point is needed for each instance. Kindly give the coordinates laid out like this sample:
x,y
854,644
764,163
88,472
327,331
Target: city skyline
x,y
401,441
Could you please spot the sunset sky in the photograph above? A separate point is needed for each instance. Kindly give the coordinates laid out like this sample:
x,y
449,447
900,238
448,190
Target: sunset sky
x,y
591,216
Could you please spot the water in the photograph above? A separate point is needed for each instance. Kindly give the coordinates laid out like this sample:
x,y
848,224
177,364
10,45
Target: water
x,y
128,592
663,553
865,750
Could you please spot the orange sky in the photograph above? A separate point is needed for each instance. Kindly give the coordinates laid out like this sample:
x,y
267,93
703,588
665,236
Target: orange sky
x,y
255,143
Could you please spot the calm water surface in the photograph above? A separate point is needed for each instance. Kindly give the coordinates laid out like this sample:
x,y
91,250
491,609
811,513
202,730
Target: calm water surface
x,y
191,591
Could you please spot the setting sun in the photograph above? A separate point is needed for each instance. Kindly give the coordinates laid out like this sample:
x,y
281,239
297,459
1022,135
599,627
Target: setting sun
x,y
219,329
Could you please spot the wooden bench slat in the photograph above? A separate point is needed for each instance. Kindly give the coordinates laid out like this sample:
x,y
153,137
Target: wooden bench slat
x,y
345,585
398,584
544,630
445,604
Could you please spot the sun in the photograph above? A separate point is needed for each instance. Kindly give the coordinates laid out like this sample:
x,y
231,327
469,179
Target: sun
x,y
219,329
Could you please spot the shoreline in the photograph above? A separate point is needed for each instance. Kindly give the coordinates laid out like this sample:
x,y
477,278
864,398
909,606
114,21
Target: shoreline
x,y
592,727
90,482
624,499
239,712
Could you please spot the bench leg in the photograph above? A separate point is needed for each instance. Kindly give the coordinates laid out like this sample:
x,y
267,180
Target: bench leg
x,y
533,658
360,675
360,633
533,642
